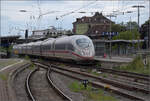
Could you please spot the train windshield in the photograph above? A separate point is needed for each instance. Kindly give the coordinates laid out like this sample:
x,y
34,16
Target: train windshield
x,y
83,43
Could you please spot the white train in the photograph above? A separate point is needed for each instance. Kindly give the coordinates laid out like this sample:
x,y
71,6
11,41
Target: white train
x,y
76,47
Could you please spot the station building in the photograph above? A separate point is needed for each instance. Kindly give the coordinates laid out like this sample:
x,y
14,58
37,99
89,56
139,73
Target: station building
x,y
98,29
93,27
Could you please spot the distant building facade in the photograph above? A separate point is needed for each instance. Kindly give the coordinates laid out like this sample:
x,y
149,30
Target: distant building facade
x,y
93,26
46,33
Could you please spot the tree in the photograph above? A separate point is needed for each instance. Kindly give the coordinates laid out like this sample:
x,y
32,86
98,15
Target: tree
x,y
145,33
118,28
127,35
144,30
131,25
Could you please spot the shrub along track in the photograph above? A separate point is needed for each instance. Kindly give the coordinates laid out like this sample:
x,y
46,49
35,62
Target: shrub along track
x,y
121,89
136,77
41,88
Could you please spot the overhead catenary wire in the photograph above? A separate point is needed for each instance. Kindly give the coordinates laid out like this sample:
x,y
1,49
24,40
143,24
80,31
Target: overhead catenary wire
x,y
68,13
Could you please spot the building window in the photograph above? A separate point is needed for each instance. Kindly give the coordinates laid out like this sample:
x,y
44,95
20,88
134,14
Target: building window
x,y
104,21
89,20
96,31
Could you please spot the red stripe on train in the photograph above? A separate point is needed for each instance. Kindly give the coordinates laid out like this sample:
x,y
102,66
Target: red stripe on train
x,y
73,53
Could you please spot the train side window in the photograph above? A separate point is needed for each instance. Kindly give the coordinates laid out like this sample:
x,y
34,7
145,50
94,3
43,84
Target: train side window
x,y
60,46
70,47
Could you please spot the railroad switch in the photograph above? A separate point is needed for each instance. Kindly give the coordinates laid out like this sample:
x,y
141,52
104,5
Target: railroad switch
x,y
85,82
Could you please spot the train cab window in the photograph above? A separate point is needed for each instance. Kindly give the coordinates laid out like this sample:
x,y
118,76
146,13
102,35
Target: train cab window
x,y
83,43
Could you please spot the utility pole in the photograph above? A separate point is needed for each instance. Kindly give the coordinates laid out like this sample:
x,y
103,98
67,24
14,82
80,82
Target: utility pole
x,y
149,28
138,8
132,36
0,44
110,45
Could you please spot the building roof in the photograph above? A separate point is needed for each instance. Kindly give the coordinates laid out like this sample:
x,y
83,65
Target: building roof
x,y
97,18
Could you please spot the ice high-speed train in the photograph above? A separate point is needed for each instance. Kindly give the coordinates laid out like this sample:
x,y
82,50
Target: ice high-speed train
x,y
76,47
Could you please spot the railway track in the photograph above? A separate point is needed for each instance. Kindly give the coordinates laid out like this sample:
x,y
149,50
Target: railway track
x,y
128,77
121,89
51,93
135,76
18,77
142,79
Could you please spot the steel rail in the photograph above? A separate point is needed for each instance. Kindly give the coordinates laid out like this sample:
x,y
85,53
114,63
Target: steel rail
x,y
97,84
29,92
128,74
101,85
105,80
65,97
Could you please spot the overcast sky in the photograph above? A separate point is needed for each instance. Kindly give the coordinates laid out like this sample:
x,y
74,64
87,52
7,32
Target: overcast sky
x,y
12,19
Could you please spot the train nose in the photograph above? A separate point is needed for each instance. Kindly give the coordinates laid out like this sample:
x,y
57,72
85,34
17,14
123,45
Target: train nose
x,y
86,53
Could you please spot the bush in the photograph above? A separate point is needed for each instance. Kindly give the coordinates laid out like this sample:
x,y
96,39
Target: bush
x,y
90,94
27,57
136,65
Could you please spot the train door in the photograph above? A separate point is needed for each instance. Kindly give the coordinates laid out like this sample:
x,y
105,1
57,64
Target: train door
x,y
53,48
40,50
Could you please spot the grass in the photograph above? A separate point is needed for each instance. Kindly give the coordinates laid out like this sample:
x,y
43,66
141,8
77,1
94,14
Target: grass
x,y
3,76
62,65
27,57
90,93
32,66
95,73
137,66
99,74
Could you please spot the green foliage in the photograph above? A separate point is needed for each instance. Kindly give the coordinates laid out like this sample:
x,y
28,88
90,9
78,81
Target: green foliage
x,y
137,66
127,35
2,49
10,48
100,96
27,57
98,64
118,28
77,87
114,47
32,66
95,73
132,25
3,77
144,30
89,93
104,75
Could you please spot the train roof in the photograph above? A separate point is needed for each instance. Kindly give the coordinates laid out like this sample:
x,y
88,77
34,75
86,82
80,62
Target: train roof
x,y
30,44
37,43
